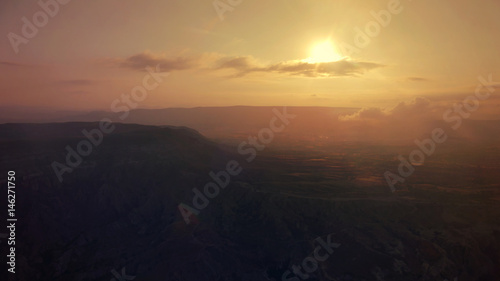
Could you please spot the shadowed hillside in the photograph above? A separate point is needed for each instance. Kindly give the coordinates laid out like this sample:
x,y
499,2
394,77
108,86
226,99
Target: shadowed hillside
x,y
119,208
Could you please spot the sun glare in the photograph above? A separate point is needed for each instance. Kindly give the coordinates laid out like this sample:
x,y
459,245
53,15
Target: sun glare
x,y
324,52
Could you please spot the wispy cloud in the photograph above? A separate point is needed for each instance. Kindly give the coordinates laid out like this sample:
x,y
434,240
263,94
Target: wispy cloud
x,y
78,92
244,65
417,79
76,82
13,64
325,69
141,61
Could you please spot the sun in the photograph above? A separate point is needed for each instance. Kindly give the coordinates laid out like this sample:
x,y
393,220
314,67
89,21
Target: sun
x,y
324,52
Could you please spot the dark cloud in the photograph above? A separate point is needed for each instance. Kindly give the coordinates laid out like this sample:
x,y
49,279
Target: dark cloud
x,y
450,98
145,59
242,65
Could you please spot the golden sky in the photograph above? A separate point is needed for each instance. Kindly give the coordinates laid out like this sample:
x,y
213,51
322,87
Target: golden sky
x,y
278,52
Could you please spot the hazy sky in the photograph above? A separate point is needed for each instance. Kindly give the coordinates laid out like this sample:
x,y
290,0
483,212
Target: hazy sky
x,y
264,52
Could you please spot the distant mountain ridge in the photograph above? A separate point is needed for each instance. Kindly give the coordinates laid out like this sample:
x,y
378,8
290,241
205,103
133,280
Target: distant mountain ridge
x,y
51,131
313,125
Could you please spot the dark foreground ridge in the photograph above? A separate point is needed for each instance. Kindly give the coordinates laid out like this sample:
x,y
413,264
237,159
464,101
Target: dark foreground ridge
x,y
119,210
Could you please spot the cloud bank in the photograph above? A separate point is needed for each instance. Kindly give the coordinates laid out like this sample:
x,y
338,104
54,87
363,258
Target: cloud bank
x,y
243,65
418,107
142,60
